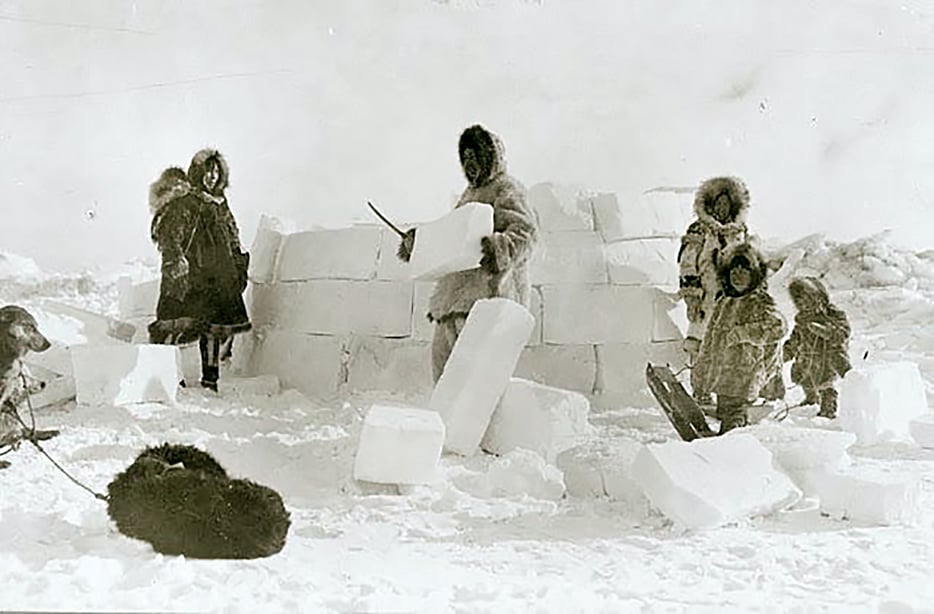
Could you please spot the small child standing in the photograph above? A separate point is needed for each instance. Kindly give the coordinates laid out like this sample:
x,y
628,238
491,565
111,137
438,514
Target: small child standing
x,y
818,344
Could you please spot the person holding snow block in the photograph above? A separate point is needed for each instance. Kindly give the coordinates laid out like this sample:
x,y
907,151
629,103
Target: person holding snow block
x,y
740,355
504,268
721,205
818,344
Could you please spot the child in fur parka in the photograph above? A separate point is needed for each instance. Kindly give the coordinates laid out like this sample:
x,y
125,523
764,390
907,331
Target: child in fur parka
x,y
721,205
740,354
504,269
818,344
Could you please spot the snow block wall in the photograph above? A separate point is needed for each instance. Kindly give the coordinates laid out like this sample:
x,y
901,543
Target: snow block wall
x,y
336,311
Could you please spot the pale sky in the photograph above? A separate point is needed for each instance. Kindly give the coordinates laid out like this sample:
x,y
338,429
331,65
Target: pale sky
x,y
826,109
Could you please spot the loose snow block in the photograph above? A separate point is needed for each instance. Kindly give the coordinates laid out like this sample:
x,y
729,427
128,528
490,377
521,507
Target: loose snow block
x,y
345,253
58,388
586,313
562,207
643,262
539,418
922,430
125,374
869,495
879,401
89,327
710,482
399,445
478,370
451,243
603,468
569,257
797,448
137,300
189,363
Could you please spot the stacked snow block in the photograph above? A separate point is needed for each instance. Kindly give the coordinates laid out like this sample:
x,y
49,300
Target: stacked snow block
x,y
879,401
399,445
701,484
604,296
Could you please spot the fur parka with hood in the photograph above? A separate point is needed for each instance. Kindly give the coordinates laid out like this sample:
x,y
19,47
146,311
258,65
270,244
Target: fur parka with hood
x,y
704,242
819,341
741,352
204,268
515,232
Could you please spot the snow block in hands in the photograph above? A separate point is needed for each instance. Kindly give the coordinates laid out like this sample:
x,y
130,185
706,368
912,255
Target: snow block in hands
x,y
399,445
125,374
710,482
922,430
870,495
539,418
451,243
879,401
479,368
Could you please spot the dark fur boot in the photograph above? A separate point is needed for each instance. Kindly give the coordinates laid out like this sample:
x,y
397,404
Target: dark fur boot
x,y
181,501
731,411
828,403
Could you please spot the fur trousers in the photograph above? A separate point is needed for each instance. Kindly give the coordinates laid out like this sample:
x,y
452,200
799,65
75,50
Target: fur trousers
x,y
446,332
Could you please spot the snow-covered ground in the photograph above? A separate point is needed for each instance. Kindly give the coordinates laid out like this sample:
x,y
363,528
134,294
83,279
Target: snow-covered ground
x,y
477,540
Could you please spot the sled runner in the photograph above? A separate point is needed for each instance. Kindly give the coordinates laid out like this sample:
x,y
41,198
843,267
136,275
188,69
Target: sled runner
x,y
681,409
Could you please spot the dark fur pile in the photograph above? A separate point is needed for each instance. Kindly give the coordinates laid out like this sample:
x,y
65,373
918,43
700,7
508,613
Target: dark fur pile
x,y
180,500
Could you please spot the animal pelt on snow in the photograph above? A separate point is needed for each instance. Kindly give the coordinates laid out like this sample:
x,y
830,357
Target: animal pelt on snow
x,y
181,500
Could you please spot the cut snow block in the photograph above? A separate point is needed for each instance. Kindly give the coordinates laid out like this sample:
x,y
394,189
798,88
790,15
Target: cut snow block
x,y
388,365
671,316
125,374
339,307
264,255
346,253
879,401
539,418
709,482
922,430
189,363
90,327
650,214
562,207
588,313
309,363
603,468
572,367
798,448
870,495
643,262
422,328
569,257
399,445
621,370
58,388
137,300
388,265
451,243
258,386
479,368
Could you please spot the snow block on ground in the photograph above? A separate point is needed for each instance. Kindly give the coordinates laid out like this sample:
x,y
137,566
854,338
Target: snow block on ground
x,y
337,307
519,473
710,482
344,253
922,430
562,207
797,448
89,327
189,363
879,401
388,365
572,367
643,262
601,468
539,418
399,445
125,374
868,494
569,257
137,300
481,363
589,313
57,389
451,243
309,363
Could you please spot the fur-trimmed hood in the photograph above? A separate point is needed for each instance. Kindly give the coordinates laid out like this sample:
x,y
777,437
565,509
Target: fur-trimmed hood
x,y
743,255
489,150
711,189
810,287
196,170
171,184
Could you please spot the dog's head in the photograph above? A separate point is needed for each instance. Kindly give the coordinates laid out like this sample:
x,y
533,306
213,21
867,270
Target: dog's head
x,y
19,331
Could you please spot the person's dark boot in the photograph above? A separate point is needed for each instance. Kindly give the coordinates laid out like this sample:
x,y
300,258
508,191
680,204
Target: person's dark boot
x,y
828,403
209,377
775,389
810,397
732,414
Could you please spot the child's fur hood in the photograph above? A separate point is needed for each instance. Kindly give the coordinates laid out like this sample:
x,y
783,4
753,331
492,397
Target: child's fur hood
x,y
811,287
744,255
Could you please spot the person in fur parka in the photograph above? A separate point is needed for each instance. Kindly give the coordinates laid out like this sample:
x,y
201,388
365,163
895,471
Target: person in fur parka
x,y
504,269
204,268
818,344
740,354
721,205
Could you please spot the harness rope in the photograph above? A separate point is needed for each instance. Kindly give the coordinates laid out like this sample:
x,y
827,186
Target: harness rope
x,y
31,437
